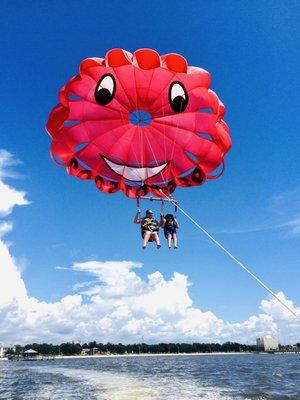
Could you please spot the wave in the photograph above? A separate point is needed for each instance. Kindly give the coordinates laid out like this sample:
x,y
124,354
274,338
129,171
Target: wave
x,y
123,386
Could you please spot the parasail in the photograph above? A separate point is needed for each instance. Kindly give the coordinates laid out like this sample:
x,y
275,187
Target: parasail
x,y
140,123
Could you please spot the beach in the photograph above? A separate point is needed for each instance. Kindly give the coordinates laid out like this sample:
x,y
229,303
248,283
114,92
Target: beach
x,y
95,356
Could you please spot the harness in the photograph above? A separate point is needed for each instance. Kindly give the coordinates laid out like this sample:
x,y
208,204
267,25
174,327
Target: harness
x,y
149,224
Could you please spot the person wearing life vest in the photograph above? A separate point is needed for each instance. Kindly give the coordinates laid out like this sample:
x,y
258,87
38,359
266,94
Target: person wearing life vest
x,y
149,227
170,225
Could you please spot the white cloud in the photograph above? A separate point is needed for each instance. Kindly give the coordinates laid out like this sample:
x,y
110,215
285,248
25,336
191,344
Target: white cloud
x,y
61,268
282,213
9,197
81,285
273,308
120,306
286,208
117,305
5,227
294,226
6,162
12,286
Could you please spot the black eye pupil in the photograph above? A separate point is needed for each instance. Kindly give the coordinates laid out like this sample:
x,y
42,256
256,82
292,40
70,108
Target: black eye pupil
x,y
178,104
105,89
178,97
103,96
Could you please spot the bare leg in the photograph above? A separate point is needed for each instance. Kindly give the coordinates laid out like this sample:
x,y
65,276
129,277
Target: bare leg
x,y
156,238
146,238
175,240
169,240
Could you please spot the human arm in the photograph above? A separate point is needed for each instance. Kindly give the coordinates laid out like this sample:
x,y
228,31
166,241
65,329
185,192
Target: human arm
x,y
176,223
137,219
156,225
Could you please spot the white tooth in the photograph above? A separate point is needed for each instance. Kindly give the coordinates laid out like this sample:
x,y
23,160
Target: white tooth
x,y
157,169
135,174
116,167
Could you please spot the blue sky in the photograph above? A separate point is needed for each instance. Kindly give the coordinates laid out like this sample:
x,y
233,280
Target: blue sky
x,y
250,48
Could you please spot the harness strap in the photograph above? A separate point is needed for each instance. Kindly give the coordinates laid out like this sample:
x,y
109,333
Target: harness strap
x,y
162,206
175,207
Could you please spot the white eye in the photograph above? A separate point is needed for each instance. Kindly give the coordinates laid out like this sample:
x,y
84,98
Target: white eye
x,y
107,83
178,97
177,90
105,89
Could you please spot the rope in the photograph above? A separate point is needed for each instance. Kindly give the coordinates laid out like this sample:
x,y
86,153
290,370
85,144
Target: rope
x,y
234,259
162,206
240,264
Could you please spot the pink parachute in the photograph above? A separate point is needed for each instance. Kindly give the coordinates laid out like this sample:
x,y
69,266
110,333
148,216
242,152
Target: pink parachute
x,y
139,123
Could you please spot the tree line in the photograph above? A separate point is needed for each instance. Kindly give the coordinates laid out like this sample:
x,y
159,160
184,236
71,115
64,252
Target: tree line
x,y
71,348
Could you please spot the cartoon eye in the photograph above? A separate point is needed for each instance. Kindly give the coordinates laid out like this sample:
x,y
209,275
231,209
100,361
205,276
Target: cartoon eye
x,y
105,89
178,97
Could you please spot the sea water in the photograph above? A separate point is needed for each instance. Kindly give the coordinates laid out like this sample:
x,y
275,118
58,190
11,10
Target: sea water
x,y
212,377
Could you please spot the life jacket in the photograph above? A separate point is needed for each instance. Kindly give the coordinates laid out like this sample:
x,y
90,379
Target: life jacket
x,y
149,224
170,223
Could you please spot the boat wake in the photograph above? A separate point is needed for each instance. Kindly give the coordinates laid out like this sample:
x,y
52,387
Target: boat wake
x,y
122,386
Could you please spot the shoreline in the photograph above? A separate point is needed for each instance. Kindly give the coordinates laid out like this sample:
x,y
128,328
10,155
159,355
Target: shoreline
x,y
88,356
72,357
147,355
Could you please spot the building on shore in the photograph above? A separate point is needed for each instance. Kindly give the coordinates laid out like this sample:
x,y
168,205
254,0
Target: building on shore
x,y
30,355
91,352
267,343
5,348
85,351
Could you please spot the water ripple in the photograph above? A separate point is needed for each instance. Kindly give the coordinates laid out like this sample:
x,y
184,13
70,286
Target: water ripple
x,y
243,377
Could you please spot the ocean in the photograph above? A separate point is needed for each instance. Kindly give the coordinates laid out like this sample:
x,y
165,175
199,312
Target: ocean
x,y
212,377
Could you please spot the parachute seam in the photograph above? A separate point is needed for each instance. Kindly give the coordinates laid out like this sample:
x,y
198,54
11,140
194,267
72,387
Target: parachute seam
x,y
91,102
98,137
119,81
156,161
170,140
170,164
140,132
189,92
124,121
151,105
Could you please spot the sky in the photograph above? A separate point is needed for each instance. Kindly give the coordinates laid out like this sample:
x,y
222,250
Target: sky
x,y
71,264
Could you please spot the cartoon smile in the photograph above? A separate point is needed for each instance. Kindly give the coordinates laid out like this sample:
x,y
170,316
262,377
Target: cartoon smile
x,y
135,174
140,123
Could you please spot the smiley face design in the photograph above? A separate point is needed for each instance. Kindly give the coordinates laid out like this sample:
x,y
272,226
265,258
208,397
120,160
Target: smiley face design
x,y
139,123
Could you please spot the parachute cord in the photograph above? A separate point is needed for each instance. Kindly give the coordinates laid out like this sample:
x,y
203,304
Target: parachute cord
x,y
234,258
125,121
240,264
162,206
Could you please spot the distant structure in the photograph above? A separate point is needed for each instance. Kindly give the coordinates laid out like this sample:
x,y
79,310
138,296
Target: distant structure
x,y
91,352
267,343
85,351
30,355
4,348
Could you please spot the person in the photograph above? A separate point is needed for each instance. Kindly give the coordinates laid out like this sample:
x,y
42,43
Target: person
x,y
150,228
170,225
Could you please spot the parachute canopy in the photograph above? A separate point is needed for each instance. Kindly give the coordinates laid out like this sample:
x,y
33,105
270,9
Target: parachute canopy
x,y
139,123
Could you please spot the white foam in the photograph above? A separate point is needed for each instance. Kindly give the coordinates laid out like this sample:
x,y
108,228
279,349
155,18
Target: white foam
x,y
122,386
